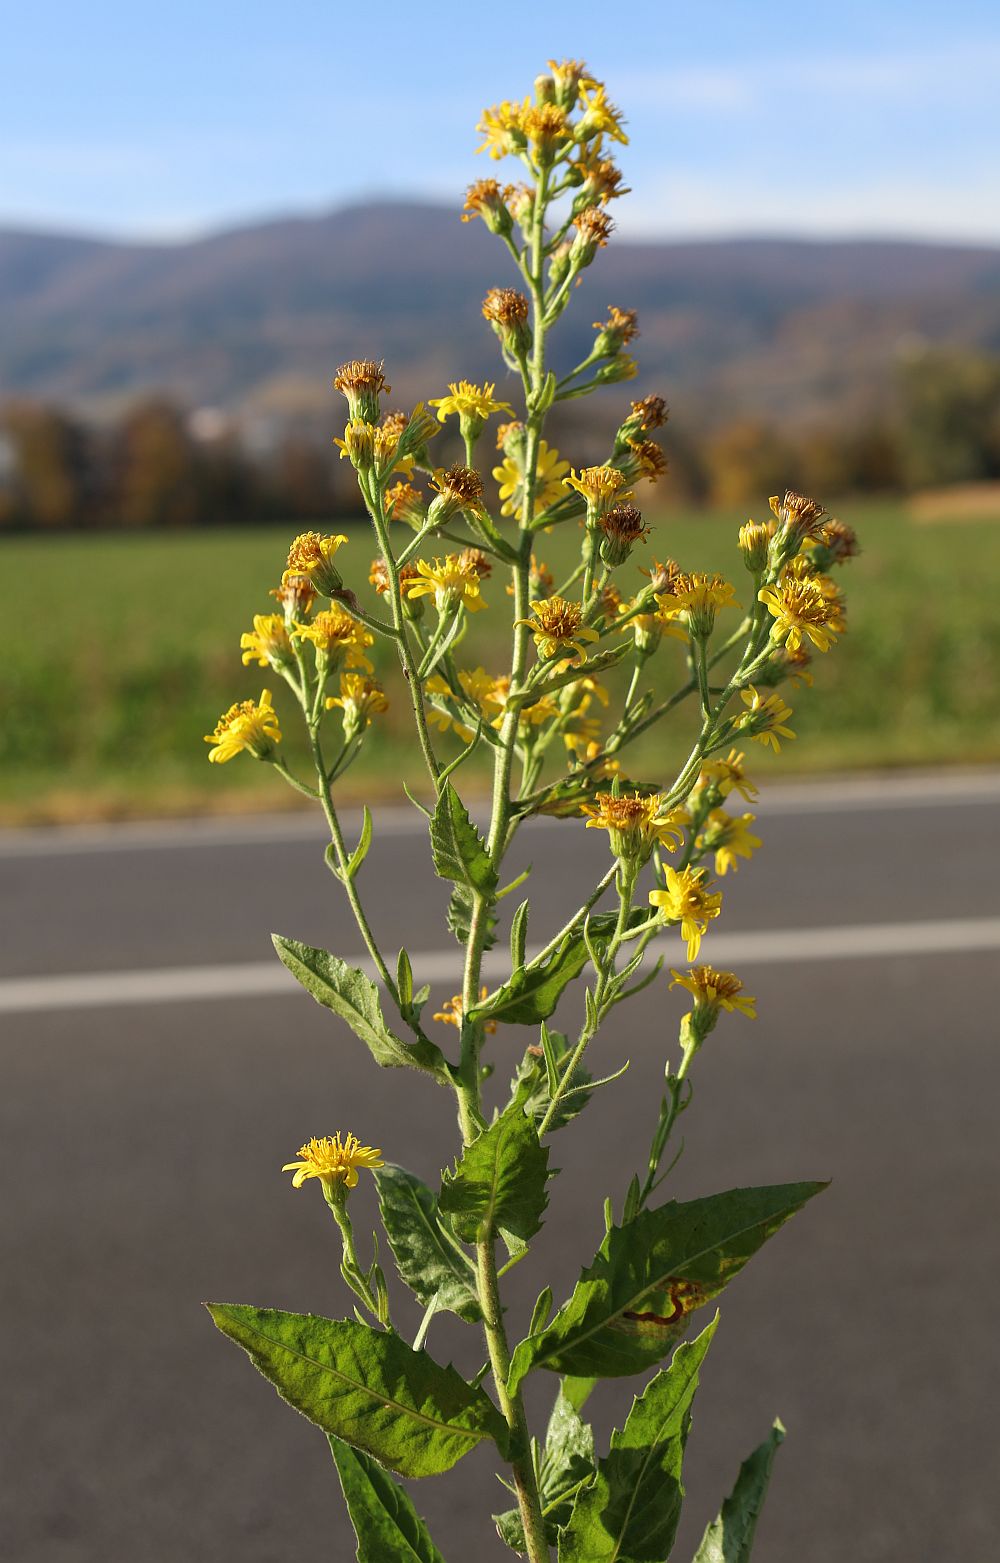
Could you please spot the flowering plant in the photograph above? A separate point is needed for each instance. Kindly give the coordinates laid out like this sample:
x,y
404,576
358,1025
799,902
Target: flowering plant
x,y
384,1402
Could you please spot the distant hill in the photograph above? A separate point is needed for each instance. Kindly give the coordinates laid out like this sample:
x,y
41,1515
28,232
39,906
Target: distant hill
x,y
256,319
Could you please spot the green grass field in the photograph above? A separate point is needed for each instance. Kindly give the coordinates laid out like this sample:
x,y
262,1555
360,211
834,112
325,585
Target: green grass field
x,y
127,649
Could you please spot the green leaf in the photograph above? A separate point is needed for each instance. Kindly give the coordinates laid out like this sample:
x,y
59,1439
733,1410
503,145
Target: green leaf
x,y
498,1182
633,1302
365,1386
361,850
532,1086
629,1514
729,1539
354,997
388,1527
458,849
460,917
426,1260
567,1462
600,662
534,991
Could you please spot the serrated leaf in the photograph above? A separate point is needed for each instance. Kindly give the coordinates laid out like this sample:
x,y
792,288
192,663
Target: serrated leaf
x,y
729,1539
387,1526
629,1513
533,992
354,997
499,1182
531,1085
426,1260
567,1462
365,1386
458,850
460,918
633,1302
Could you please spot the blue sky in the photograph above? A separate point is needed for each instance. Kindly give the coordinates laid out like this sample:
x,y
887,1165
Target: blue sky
x,y
835,118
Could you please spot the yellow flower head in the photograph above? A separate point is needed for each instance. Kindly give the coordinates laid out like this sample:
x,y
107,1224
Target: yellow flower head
x,y
361,381
755,538
371,445
566,78
503,129
712,991
801,607
338,638
468,400
489,200
697,597
620,328
296,595
312,555
635,824
800,517
688,900
249,724
600,487
267,643
594,228
601,179
558,628
547,129
452,1012
765,718
403,502
334,1160
360,699
728,776
729,837
600,118
452,582
548,483
458,488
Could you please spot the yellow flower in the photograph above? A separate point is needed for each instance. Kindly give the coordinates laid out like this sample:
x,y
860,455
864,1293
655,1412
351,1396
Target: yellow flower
x,y
469,401
453,584
313,555
267,643
729,837
600,487
333,1160
765,719
714,990
728,775
338,637
558,628
801,607
600,118
360,699
458,489
547,129
548,483
634,823
503,128
696,598
687,900
453,1011
250,725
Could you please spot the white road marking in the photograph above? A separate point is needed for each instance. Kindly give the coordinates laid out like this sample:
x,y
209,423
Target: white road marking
x,y
253,979
829,795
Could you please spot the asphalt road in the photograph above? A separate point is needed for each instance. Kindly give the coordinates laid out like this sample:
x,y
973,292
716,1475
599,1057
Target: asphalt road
x,y
140,1147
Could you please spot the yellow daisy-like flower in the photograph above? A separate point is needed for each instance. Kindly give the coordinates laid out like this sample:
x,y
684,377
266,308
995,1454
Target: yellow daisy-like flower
x,y
728,776
548,484
452,582
360,699
312,555
730,837
687,900
600,117
765,718
547,129
600,487
715,989
338,637
333,1160
697,598
249,724
503,129
453,1012
634,823
267,643
801,607
469,401
559,629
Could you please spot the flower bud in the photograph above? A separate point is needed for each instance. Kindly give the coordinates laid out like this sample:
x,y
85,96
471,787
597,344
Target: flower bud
x,y
755,539
593,229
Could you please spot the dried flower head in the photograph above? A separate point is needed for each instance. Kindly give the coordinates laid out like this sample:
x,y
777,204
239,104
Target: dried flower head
x,y
361,381
650,412
593,230
405,503
802,518
296,595
622,526
620,328
488,200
